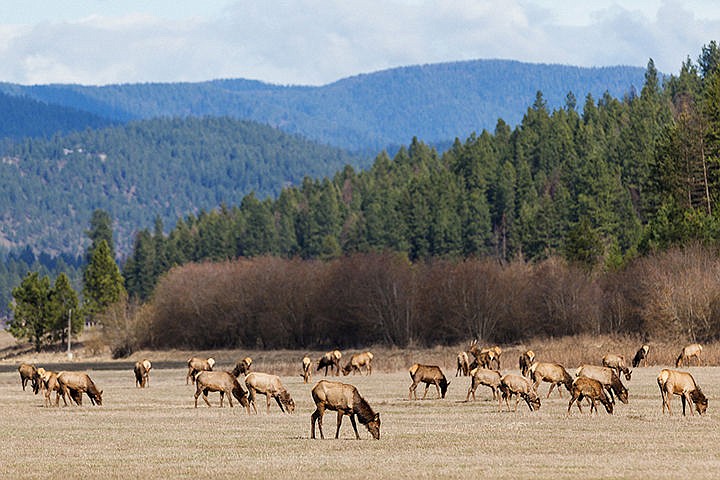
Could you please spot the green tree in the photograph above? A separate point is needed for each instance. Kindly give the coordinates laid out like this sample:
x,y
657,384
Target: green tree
x,y
102,281
64,305
100,229
31,309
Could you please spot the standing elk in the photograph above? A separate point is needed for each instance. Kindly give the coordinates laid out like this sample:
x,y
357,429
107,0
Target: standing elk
x,y
484,376
197,365
330,360
242,367
485,357
617,363
608,378
224,382
693,350
142,373
673,382
346,400
584,387
641,356
526,360
553,373
28,373
463,364
428,374
357,361
49,383
271,387
513,384
307,370
74,384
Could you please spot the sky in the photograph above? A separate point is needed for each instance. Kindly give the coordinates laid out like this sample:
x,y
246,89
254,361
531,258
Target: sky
x,y
315,42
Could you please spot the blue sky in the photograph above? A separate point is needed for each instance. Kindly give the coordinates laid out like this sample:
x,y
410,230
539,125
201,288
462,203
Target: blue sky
x,y
312,42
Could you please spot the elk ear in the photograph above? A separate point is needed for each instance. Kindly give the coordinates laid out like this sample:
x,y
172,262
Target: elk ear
x,y
377,417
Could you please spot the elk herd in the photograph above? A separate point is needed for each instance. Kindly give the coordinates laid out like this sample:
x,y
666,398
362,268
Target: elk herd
x,y
592,383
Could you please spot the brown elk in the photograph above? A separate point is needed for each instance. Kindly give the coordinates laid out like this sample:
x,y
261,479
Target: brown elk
x,y
49,383
242,367
74,384
307,371
584,387
553,373
608,378
197,365
346,400
330,360
271,387
142,373
357,361
224,382
463,364
485,357
673,382
428,374
617,363
513,384
484,376
526,360
641,356
28,373
692,350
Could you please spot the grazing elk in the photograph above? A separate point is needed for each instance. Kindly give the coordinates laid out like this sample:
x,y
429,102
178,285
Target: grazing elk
x,y
693,350
428,374
330,360
513,384
584,387
271,387
242,367
617,363
224,382
463,364
346,400
526,360
608,378
641,356
28,373
484,376
553,373
197,365
74,384
357,361
307,371
142,373
673,382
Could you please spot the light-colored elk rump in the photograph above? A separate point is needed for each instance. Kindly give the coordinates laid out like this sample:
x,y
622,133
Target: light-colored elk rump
x,y
463,364
513,384
617,363
553,373
693,350
28,373
224,382
330,360
242,367
50,384
357,362
271,387
484,376
525,362
74,384
307,370
608,378
673,382
429,375
346,400
584,387
197,365
641,356
142,373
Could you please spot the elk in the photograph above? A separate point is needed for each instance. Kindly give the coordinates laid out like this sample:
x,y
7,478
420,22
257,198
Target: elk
x,y
428,374
513,384
197,365
242,367
223,382
357,361
330,360
74,384
485,356
608,378
525,361
673,382
346,400
484,376
553,373
48,381
693,350
271,387
617,363
307,371
463,364
584,387
641,356
142,373
28,373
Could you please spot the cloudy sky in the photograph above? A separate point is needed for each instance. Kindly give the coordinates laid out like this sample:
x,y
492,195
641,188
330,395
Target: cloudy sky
x,y
313,42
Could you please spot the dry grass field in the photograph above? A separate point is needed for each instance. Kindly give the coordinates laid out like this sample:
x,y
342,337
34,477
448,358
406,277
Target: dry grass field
x,y
156,433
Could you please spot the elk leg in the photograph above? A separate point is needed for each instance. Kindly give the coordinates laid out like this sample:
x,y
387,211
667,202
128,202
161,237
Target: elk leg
x,y
427,385
277,399
352,420
339,422
437,387
205,397
552,385
229,395
413,387
685,400
317,415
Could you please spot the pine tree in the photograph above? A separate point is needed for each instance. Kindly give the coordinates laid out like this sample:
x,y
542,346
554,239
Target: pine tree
x,y
102,281
31,309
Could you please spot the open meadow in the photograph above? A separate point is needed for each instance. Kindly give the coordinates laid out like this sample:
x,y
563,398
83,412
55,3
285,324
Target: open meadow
x,y
157,433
